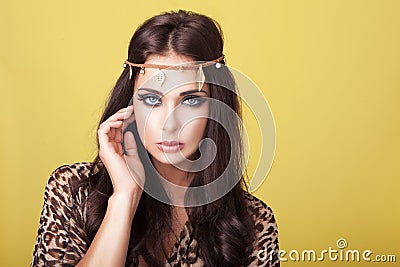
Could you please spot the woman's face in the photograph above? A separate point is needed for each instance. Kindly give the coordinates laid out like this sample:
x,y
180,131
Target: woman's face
x,y
171,115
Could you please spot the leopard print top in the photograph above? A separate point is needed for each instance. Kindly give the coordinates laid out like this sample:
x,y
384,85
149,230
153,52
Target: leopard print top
x,y
61,240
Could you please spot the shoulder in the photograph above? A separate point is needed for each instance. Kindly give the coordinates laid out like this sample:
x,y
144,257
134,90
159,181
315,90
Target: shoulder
x,y
259,210
64,178
66,191
266,232
61,236
66,174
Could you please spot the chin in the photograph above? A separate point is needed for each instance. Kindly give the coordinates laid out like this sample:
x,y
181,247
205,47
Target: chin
x,y
171,158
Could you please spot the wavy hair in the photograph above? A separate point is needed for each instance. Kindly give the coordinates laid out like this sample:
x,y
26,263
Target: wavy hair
x,y
223,228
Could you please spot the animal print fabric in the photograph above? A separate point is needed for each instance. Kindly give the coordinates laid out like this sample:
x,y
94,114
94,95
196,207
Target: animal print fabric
x,y
61,240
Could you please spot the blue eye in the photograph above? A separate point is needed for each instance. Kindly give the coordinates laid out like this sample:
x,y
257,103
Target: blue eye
x,y
194,100
151,100
155,100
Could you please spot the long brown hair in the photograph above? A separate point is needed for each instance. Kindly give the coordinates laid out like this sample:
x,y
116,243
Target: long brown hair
x,y
223,228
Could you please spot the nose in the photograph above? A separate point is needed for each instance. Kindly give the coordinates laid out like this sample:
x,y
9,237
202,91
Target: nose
x,y
170,119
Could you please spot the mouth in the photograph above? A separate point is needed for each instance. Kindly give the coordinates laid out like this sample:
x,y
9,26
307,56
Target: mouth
x,y
169,146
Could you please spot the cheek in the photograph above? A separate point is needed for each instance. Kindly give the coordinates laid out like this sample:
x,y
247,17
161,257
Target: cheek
x,y
194,130
147,125
194,122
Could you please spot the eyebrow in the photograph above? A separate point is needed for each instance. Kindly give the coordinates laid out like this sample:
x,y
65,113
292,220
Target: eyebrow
x,y
181,94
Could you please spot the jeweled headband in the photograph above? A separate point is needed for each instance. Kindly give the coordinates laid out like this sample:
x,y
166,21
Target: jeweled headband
x,y
161,76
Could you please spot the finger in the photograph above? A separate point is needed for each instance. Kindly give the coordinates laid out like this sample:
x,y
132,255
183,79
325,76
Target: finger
x,y
119,149
111,133
125,108
132,158
128,121
116,128
130,144
118,136
120,115
122,111
103,138
128,109
105,128
115,117
105,135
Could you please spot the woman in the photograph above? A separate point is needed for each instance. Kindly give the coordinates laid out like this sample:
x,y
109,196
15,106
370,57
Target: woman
x,y
137,203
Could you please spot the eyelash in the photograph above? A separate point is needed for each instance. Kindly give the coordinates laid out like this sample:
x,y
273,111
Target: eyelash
x,y
146,97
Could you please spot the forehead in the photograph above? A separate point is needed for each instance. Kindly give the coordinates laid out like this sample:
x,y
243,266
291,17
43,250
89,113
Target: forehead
x,y
168,80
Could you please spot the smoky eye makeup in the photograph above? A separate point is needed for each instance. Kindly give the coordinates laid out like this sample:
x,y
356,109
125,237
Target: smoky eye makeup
x,y
155,100
149,99
194,100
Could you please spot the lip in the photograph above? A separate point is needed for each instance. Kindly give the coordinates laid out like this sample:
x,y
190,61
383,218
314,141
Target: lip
x,y
169,146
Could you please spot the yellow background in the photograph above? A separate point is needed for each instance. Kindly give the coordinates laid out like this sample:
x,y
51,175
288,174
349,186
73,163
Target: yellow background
x,y
329,70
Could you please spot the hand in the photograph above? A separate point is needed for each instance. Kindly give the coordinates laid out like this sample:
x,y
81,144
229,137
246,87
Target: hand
x,y
126,171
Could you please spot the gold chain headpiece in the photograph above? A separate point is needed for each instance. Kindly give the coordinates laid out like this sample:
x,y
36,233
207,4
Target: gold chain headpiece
x,y
161,75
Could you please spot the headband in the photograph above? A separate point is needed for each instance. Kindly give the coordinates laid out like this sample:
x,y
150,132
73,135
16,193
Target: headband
x,y
180,67
161,76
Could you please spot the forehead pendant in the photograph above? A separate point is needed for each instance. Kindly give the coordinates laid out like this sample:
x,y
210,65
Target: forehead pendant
x,y
160,78
200,78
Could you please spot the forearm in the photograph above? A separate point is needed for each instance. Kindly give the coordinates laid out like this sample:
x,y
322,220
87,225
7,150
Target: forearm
x,y
110,245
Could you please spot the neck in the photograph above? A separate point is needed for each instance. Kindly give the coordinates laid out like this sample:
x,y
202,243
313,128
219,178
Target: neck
x,y
175,176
